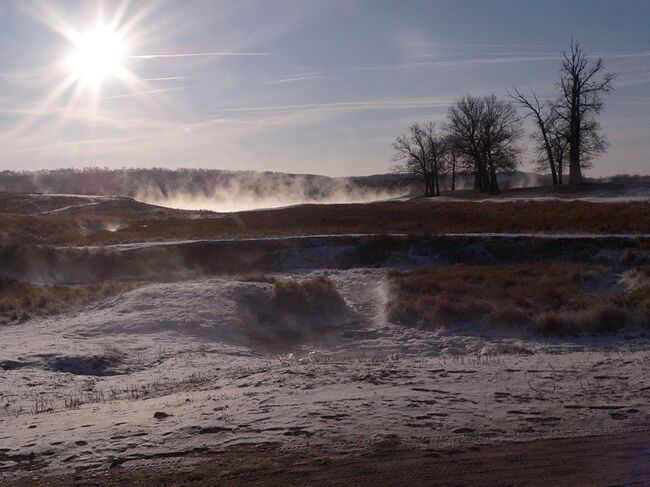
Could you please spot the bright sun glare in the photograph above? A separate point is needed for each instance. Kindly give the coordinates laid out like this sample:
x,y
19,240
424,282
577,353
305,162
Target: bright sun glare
x,y
93,53
98,55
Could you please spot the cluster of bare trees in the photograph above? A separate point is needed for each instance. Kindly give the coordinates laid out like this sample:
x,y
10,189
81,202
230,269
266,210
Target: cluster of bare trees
x,y
479,138
481,134
423,151
568,133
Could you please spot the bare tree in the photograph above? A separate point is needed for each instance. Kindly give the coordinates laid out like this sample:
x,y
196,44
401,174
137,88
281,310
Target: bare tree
x,y
437,150
558,139
453,160
421,152
581,85
557,142
464,127
486,130
544,117
501,132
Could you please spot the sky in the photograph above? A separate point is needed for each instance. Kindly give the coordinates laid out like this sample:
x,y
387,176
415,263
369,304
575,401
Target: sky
x,y
307,86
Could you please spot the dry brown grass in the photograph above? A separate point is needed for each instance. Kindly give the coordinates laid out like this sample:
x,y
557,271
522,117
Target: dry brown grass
x,y
549,298
21,300
140,222
639,300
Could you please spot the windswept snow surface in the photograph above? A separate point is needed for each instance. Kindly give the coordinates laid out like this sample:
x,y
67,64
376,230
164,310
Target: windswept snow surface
x,y
230,362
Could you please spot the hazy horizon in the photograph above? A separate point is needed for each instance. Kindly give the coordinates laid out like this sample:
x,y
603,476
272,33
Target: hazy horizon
x,y
309,87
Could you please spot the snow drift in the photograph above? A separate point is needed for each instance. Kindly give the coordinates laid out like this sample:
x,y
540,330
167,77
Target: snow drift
x,y
272,313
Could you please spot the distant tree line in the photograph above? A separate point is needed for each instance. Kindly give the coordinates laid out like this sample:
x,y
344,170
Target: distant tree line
x,y
480,136
161,183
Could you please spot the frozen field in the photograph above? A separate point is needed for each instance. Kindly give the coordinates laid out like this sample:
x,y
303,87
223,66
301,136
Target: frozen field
x,y
171,369
199,335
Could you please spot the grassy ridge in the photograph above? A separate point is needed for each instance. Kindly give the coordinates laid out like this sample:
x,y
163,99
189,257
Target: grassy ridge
x,y
20,300
547,298
107,224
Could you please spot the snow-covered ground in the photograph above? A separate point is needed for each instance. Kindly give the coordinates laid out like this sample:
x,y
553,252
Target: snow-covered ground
x,y
644,198
173,368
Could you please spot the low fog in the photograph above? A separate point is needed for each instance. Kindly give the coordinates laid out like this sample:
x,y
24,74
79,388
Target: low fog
x,y
227,191
198,189
268,190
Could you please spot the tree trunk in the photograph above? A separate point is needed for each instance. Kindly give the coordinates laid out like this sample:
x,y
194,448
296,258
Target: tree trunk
x,y
494,184
453,176
549,155
575,171
485,178
436,186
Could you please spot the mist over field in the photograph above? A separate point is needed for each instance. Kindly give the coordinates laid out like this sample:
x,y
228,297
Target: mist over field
x,y
247,191
216,190
228,191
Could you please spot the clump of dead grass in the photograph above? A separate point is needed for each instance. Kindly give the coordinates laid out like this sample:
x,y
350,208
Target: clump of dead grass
x,y
601,319
547,298
639,301
20,300
317,295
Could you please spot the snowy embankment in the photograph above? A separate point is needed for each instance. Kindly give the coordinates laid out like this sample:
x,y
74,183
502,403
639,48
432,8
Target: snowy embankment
x,y
172,369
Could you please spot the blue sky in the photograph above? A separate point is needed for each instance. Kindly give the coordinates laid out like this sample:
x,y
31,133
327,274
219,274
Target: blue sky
x,y
301,86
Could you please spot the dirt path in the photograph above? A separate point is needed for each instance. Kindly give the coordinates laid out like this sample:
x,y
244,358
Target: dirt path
x,y
594,461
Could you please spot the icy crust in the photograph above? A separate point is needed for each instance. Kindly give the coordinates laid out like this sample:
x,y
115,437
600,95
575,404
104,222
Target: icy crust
x,y
301,359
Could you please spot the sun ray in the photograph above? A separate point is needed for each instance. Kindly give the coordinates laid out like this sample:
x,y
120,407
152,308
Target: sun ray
x,y
97,55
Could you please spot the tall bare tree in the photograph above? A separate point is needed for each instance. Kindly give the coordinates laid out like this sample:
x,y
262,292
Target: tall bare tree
x,y
544,118
558,140
582,84
464,128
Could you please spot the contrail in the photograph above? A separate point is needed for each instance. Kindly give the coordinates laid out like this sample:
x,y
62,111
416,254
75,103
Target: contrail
x,y
198,54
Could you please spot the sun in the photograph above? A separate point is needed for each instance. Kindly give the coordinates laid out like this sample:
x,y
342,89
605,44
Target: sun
x,y
89,57
98,55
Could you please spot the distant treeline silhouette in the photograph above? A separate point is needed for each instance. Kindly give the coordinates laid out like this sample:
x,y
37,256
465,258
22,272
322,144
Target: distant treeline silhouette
x,y
132,182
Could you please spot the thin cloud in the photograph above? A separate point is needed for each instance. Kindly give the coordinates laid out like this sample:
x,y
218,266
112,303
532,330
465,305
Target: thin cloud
x,y
145,92
630,55
492,60
459,63
300,77
198,54
349,105
483,46
166,78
